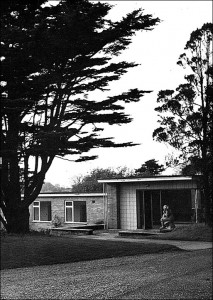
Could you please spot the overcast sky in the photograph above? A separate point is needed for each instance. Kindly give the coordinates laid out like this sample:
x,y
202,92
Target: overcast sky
x,y
157,53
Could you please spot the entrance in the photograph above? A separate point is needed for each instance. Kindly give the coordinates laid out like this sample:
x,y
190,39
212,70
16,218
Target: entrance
x,y
149,206
148,209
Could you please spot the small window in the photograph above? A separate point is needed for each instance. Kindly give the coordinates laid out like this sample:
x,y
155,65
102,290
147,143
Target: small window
x,y
45,211
75,211
36,211
42,211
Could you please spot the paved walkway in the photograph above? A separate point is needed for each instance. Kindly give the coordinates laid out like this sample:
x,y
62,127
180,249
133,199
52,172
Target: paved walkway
x,y
185,245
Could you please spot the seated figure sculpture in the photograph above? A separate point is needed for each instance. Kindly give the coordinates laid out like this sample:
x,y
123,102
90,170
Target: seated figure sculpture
x,y
167,220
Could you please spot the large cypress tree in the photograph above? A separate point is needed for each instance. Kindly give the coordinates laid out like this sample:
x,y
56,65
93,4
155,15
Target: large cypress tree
x,y
52,57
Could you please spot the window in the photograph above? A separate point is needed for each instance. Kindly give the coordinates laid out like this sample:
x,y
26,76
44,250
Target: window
x,y
75,211
42,211
36,211
68,211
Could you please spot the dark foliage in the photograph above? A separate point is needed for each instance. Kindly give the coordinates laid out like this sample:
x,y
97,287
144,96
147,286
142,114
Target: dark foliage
x,y
185,115
149,168
52,58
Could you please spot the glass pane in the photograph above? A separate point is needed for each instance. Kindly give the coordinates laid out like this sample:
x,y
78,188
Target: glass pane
x,y
45,211
69,203
80,211
156,209
180,203
36,214
68,214
35,203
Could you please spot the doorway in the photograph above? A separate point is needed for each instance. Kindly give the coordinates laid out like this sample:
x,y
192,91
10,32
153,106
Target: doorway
x,y
148,205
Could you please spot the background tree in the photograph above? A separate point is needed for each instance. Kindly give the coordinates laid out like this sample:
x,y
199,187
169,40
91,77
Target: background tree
x,y
89,183
186,114
52,58
193,167
150,167
48,187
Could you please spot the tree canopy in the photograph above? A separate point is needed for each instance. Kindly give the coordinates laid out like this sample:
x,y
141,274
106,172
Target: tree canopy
x,y
185,115
52,58
149,168
89,183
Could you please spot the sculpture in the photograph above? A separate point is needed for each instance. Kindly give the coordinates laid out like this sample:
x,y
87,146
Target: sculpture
x,y
167,220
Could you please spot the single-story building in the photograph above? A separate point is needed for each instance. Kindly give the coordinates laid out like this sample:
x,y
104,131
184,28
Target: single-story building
x,y
126,203
70,209
136,203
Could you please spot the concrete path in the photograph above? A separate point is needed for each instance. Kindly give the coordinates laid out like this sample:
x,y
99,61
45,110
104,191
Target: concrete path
x,y
185,245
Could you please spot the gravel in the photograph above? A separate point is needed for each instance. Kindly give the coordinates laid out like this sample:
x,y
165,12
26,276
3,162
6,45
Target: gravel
x,y
174,275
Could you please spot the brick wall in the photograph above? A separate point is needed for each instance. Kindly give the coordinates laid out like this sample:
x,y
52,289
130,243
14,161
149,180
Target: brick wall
x,y
112,213
94,210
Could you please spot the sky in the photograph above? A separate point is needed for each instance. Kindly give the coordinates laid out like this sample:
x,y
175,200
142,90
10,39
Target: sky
x,y
157,53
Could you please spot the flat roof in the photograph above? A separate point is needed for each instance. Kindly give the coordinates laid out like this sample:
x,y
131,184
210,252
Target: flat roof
x,y
148,179
70,195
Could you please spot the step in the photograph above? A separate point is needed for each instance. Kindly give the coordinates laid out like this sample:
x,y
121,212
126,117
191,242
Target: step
x,y
92,226
136,233
71,231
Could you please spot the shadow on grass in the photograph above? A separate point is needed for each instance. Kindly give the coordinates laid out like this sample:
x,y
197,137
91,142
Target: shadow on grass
x,y
34,250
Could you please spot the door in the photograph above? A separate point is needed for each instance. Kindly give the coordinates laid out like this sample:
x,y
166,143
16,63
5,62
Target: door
x,y
148,209
140,210
156,208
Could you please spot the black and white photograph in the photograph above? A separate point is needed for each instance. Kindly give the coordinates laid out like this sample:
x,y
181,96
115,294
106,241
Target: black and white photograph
x,y
106,155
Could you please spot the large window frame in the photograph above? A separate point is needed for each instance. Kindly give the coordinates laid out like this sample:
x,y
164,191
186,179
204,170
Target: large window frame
x,y
37,212
70,205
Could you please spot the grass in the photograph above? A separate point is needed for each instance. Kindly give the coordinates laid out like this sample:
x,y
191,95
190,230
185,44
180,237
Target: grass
x,y
41,249
193,232
35,250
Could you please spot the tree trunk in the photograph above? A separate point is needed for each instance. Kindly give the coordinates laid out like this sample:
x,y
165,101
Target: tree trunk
x,y
207,199
18,220
15,212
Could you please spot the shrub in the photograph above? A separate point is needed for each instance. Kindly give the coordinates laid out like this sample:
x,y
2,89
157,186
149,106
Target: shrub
x,y
56,221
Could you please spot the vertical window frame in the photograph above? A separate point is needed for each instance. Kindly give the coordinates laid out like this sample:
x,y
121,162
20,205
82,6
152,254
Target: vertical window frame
x,y
65,210
36,206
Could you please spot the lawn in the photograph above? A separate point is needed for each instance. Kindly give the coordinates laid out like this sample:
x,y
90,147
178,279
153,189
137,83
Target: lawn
x,y
34,250
193,232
